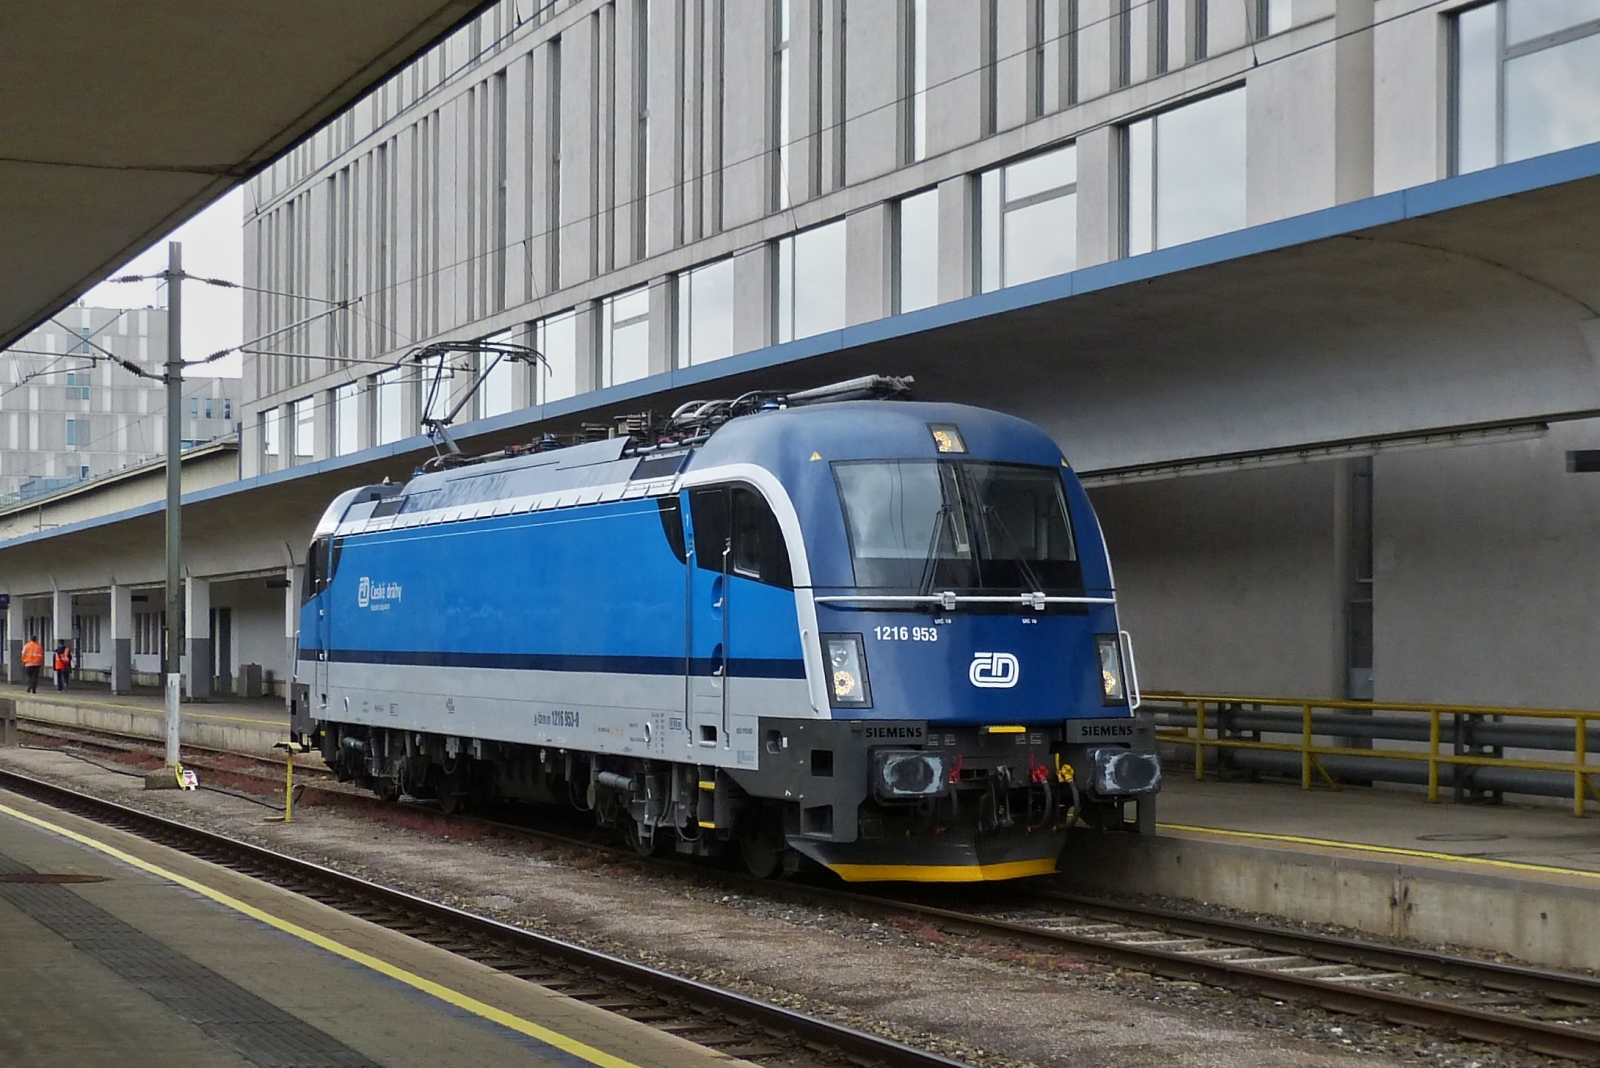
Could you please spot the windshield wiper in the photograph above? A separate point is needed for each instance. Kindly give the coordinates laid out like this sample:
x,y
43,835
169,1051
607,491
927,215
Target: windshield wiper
x,y
930,562
990,512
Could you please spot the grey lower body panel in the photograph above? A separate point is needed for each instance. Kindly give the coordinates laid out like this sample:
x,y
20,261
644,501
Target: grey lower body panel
x,y
597,712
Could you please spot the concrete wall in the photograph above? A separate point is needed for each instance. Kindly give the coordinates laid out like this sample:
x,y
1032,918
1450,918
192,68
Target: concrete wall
x,y
1486,574
1231,583
258,630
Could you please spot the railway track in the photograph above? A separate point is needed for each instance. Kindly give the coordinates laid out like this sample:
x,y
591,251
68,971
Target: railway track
x,y
732,1023
1549,1012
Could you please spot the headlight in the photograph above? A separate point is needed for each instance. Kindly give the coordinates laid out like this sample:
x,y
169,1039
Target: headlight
x,y
848,685
1110,647
899,773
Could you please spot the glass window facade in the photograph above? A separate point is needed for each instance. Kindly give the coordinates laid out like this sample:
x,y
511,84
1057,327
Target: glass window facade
x,y
391,420
1028,219
917,71
1274,16
782,72
1526,80
811,283
556,338
625,337
269,432
1186,173
347,419
917,252
705,313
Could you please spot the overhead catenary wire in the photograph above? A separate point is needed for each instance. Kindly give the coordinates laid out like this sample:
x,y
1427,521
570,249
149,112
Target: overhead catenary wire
x,y
412,375
220,282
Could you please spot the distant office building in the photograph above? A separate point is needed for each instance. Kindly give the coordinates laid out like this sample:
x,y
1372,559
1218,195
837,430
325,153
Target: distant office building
x,y
67,413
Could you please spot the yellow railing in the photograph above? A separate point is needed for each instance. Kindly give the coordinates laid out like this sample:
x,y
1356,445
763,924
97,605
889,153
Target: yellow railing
x,y
1582,773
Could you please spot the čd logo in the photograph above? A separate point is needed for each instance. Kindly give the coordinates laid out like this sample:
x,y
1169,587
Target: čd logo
x,y
994,671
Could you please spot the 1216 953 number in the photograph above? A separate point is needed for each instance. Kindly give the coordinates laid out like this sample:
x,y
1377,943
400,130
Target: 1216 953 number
x,y
905,634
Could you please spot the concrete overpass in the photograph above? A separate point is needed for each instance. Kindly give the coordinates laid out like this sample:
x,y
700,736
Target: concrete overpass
x,y
123,120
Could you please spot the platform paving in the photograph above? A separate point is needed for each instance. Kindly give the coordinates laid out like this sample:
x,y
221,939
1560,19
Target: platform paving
x,y
168,960
1515,879
1543,841
251,725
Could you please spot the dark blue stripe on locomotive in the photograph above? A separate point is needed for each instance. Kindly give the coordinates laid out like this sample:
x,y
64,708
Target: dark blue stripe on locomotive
x,y
622,665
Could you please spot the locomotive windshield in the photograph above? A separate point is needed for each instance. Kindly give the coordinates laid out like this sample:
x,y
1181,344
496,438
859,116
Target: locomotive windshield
x,y
962,525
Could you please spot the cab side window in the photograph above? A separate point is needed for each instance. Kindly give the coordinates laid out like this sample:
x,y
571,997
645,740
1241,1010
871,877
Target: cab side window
x,y
708,509
759,551
316,570
739,520
322,560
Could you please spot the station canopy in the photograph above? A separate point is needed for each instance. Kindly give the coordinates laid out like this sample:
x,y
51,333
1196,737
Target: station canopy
x,y
122,120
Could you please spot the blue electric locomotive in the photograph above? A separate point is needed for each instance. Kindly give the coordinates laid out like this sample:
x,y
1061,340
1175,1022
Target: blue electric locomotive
x,y
876,633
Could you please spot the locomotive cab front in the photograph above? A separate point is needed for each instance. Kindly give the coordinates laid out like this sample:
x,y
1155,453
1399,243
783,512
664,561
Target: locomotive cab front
x,y
980,692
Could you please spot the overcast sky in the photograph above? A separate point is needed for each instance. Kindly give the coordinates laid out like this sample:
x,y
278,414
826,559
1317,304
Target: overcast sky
x,y
213,317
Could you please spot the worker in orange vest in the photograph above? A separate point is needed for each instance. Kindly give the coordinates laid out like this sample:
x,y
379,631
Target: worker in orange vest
x,y
32,661
63,664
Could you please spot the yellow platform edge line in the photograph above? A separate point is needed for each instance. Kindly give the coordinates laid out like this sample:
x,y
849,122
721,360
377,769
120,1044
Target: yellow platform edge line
x,y
943,873
1392,851
382,967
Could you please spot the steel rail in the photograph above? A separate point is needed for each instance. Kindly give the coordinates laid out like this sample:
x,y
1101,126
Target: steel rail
x,y
1569,987
1478,1024
1467,1022
738,1008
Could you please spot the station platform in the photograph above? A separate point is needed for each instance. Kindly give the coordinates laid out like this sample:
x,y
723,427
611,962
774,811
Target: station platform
x,y
250,725
1516,879
121,953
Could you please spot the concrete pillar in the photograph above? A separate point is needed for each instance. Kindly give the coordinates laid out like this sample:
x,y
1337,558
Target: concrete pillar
x,y
869,293
956,254
61,622
121,639
753,298
16,621
663,327
1099,197
197,629
1353,121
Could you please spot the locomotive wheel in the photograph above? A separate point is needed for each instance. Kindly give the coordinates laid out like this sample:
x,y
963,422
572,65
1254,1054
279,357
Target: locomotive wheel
x,y
658,844
761,846
386,788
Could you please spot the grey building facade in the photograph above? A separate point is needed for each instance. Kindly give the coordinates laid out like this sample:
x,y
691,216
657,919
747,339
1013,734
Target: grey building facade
x,y
656,192
67,413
